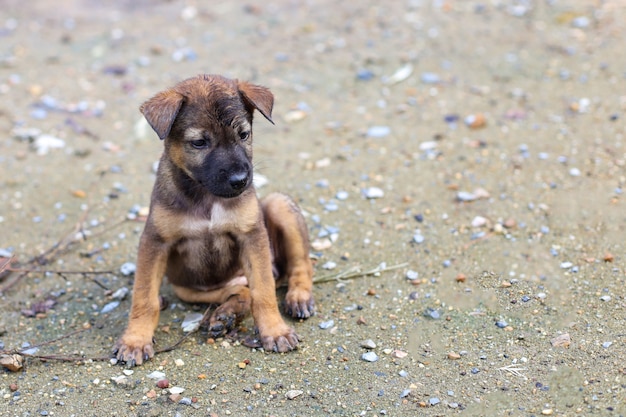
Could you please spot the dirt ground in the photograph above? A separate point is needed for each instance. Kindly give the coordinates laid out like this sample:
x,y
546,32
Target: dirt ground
x,y
471,151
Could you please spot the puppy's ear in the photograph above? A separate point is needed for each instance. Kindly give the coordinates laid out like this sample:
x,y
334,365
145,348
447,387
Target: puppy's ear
x,y
161,111
257,97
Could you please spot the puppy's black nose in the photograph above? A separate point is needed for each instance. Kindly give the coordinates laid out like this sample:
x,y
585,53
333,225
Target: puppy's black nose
x,y
238,180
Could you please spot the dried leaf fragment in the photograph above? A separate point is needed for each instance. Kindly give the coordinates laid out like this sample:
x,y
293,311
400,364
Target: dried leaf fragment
x,y
562,340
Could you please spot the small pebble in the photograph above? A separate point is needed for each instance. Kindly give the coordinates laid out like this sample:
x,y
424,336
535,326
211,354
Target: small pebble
x,y
191,322
475,121
432,313
369,357
109,307
430,78
434,401
378,131
128,269
428,145
465,196
156,375
399,354
120,294
294,115
400,75
405,393
607,345
327,324
259,180
44,143
185,401
291,394
341,195
475,371
330,265
403,373
412,275
418,238
163,383
368,344
176,390
605,298
364,75
581,22
479,221
373,192
120,380
501,324
451,118
321,244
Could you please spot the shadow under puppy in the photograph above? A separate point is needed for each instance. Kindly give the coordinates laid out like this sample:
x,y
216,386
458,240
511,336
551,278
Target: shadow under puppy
x,y
207,231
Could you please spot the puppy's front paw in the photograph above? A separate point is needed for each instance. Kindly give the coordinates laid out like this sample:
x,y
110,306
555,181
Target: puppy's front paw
x,y
282,341
299,303
133,349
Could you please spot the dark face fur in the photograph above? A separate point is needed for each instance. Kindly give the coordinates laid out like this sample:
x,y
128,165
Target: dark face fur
x,y
206,122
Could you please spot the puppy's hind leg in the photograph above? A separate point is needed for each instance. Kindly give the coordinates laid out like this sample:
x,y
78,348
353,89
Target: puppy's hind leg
x,y
233,300
290,247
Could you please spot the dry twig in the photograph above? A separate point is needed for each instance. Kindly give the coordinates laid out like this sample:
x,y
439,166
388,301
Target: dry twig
x,y
355,272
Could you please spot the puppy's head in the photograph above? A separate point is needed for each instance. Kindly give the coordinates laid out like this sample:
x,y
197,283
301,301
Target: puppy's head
x,y
206,122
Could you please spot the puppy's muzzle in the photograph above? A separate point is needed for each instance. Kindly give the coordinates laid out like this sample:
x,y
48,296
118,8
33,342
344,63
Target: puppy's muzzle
x,y
231,182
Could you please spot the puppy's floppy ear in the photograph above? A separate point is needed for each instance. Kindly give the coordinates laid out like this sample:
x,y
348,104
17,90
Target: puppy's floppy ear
x,y
161,111
257,97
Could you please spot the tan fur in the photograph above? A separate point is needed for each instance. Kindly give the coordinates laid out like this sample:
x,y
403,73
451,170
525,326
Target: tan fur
x,y
207,230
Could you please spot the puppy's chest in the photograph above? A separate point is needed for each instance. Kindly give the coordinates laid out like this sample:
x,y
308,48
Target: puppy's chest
x,y
209,248
208,243
217,222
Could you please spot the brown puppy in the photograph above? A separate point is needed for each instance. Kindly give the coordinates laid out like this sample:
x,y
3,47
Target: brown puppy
x,y
207,230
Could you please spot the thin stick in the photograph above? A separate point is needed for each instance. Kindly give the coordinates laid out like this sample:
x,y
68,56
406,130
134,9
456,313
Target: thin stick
x,y
356,273
48,342
67,358
59,272
52,357
6,264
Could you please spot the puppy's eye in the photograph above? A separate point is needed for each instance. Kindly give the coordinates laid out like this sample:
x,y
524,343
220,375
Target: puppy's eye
x,y
200,143
244,135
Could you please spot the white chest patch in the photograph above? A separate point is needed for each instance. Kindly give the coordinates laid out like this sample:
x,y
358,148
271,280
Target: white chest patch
x,y
221,220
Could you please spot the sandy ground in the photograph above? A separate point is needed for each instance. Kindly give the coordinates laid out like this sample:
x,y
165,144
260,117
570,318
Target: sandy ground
x,y
478,144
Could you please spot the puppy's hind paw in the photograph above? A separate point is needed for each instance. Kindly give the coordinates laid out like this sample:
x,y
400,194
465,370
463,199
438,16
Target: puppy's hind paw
x,y
299,304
